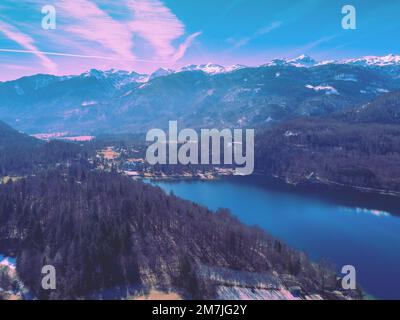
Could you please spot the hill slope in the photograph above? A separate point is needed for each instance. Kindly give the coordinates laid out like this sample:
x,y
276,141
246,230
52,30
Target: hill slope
x,y
21,154
103,232
384,109
109,236
332,152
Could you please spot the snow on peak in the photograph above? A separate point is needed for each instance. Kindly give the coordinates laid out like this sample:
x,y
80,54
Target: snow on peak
x,y
93,73
234,67
116,72
305,61
212,68
161,72
112,73
209,68
302,61
379,61
118,78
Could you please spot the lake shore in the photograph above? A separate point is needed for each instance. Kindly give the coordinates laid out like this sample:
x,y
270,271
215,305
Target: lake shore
x,y
344,227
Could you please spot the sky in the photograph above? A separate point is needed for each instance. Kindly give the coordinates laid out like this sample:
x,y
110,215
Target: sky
x,y
144,35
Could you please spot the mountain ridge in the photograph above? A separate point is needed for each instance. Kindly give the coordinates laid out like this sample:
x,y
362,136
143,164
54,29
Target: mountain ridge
x,y
302,61
117,101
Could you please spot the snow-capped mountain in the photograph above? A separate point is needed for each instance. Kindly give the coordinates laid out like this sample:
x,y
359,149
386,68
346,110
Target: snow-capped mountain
x,y
207,68
377,61
211,68
235,67
161,72
118,78
123,101
302,61
305,61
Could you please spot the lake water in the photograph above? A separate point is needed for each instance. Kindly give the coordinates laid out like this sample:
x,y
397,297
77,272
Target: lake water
x,y
10,260
347,232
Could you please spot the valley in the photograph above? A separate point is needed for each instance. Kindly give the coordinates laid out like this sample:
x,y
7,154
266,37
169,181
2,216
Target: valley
x,y
77,192
111,238
187,158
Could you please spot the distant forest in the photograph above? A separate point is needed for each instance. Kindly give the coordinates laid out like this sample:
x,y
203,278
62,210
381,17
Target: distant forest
x,y
309,151
21,155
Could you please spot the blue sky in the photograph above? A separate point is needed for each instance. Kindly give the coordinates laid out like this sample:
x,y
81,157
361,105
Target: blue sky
x,y
143,35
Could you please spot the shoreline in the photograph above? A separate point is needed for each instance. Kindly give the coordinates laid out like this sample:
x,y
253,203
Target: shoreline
x,y
331,193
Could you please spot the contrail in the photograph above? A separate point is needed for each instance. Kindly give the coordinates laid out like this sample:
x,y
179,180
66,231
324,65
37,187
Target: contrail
x,y
78,55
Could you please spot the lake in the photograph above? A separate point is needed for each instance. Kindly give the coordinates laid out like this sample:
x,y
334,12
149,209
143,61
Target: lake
x,y
10,260
359,230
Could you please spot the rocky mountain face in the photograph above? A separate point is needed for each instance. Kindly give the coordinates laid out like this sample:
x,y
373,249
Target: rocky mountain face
x,y
197,96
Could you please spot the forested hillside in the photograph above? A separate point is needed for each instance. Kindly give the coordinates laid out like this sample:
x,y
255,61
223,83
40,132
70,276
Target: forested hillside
x,y
102,230
328,151
21,154
385,110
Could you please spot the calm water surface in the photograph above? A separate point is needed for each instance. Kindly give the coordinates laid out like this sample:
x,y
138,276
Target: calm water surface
x,y
345,232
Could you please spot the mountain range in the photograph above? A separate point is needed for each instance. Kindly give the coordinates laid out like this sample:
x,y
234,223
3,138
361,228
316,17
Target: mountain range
x,y
198,96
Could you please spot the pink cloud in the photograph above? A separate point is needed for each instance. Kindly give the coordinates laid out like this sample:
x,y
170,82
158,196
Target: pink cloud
x,y
93,24
185,45
158,25
26,42
16,67
90,36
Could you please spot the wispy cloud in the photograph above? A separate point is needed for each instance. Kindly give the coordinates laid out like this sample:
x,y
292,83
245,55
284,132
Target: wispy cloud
x,y
95,25
185,45
86,24
15,67
28,43
311,45
72,55
237,43
159,26
141,33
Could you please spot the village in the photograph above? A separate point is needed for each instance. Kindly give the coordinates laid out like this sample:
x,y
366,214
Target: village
x,y
132,163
